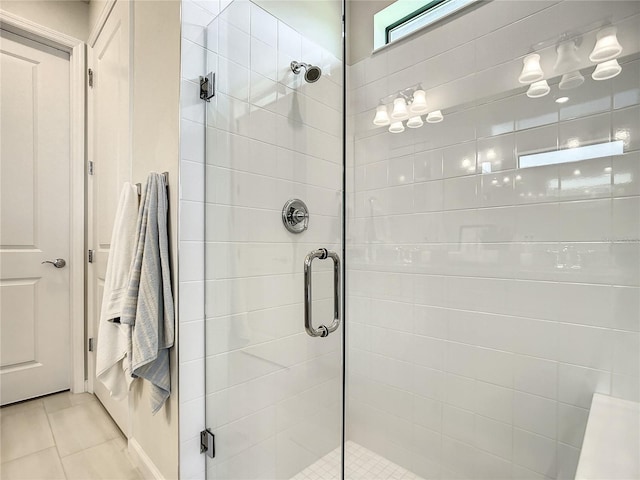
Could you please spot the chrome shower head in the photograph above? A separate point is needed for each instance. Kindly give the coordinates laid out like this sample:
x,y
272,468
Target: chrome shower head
x,y
311,72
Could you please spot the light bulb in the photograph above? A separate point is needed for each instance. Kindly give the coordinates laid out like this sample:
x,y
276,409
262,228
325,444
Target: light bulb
x,y
538,89
382,117
606,70
396,127
415,122
567,59
419,104
562,99
399,108
571,80
607,46
531,70
435,117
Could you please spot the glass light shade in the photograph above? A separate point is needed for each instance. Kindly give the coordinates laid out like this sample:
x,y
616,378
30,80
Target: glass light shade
x,y
607,46
419,104
415,122
396,127
435,117
382,117
571,80
606,70
538,89
399,108
567,59
531,70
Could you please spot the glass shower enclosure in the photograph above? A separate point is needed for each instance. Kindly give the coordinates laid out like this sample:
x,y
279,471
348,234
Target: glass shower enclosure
x,y
274,225
486,247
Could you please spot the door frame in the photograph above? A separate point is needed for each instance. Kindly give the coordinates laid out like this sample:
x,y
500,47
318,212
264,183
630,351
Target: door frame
x,y
77,52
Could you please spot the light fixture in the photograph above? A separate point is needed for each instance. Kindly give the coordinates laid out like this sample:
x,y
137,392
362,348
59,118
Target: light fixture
x,y
399,108
419,104
435,117
562,99
531,71
382,117
567,59
396,127
538,89
607,46
606,70
415,122
571,80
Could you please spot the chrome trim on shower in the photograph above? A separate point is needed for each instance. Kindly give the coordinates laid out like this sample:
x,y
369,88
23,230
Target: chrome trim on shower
x,y
322,330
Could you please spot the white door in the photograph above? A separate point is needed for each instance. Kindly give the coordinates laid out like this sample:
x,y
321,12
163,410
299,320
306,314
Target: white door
x,y
34,219
109,147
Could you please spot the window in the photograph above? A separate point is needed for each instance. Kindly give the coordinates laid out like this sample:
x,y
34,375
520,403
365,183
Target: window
x,y
404,17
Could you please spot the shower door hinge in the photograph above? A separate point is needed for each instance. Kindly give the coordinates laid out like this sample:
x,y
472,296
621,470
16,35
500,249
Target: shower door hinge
x,y
90,168
90,77
208,86
207,443
90,256
91,344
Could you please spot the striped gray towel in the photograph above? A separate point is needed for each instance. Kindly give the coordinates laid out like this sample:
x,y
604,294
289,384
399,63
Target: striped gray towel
x,y
148,304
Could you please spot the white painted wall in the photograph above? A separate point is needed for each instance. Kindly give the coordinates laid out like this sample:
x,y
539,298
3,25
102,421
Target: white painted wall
x,y
486,309
68,17
272,392
155,136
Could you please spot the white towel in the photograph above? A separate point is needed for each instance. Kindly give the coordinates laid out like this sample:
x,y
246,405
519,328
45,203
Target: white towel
x,y
113,366
148,303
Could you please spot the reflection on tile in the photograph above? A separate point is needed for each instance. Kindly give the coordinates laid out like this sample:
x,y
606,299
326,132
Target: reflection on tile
x,y
108,460
24,433
97,427
43,465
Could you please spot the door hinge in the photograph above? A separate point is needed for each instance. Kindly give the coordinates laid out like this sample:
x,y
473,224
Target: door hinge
x,y
91,344
207,443
90,167
90,77
208,86
90,256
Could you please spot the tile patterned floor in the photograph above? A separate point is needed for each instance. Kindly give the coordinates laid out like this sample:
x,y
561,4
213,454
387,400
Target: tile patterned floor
x,y
62,437
362,464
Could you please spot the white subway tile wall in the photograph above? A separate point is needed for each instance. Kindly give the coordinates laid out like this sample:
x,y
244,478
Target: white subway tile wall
x,y
272,393
485,309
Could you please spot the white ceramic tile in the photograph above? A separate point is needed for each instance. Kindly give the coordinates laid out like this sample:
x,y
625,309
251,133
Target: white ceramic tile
x,y
264,59
237,13
576,385
233,43
494,437
534,452
192,142
536,376
264,26
456,423
534,414
572,422
194,22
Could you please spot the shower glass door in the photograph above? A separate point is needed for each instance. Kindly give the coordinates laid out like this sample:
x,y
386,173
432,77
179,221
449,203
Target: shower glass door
x,y
273,391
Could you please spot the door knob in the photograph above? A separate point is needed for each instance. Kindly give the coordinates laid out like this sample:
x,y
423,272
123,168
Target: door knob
x,y
58,263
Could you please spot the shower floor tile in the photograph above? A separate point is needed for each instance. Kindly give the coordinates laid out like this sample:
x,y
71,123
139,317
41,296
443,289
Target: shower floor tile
x,y
362,464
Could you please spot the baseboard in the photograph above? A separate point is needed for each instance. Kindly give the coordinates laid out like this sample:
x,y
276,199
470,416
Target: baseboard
x,y
143,462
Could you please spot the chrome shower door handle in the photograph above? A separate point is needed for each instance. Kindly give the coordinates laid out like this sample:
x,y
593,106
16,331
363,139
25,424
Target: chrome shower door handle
x,y
322,330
